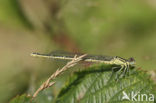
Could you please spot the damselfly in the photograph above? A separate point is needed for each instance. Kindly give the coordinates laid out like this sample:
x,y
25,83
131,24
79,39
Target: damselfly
x,y
124,64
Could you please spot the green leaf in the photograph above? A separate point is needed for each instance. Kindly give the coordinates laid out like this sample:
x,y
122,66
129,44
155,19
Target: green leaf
x,y
22,99
97,85
43,97
46,96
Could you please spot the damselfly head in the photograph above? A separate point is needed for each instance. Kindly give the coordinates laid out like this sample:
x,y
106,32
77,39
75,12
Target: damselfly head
x,y
131,62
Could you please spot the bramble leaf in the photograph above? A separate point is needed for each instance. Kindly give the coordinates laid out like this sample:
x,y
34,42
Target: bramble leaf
x,y
22,99
97,85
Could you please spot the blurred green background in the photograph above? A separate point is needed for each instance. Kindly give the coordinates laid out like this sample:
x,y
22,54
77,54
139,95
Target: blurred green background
x,y
105,27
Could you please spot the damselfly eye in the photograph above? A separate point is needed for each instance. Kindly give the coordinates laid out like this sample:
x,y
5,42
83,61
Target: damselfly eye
x,y
131,60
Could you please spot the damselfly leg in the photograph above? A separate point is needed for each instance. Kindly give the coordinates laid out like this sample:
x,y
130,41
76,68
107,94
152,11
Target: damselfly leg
x,y
124,64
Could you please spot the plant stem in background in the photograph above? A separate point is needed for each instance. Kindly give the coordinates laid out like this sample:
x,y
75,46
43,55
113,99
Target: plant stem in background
x,y
48,82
